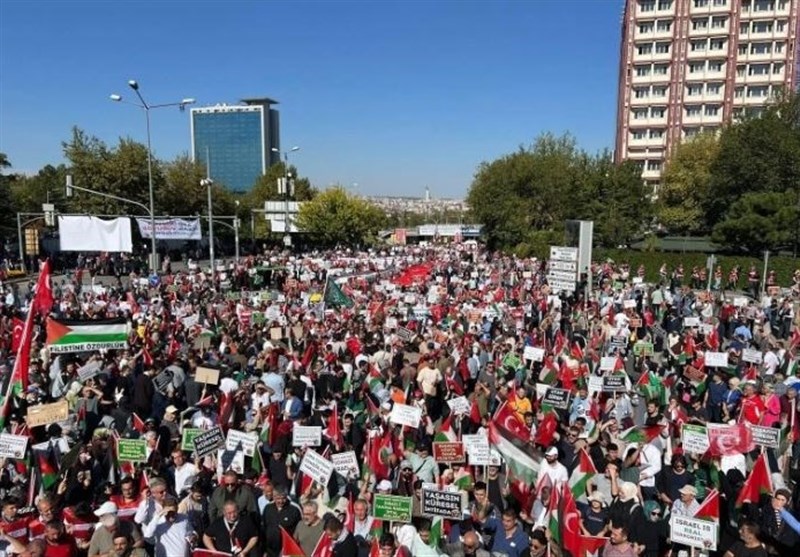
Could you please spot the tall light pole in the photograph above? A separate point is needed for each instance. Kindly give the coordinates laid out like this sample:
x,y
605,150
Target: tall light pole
x,y
208,182
133,84
287,239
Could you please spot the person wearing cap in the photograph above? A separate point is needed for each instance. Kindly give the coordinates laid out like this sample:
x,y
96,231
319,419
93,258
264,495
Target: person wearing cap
x,y
686,504
169,424
102,542
425,467
171,531
594,518
556,471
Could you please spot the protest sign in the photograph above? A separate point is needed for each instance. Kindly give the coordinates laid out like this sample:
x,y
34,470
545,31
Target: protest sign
x,y
248,441
557,398
346,464
752,356
187,438
643,348
403,414
459,405
207,375
448,452
477,447
132,450
445,504
316,467
163,380
190,321
392,508
694,438
691,322
13,446
629,304
614,383
45,414
405,334
769,437
230,460
619,342
607,363
693,532
306,436
88,371
716,359
208,441
533,354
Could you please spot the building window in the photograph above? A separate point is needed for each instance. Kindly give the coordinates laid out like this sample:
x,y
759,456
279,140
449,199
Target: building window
x,y
694,90
645,28
645,48
778,47
738,112
657,112
760,48
716,65
690,132
762,27
698,24
763,5
662,48
720,2
758,92
660,69
699,46
663,26
659,92
640,114
664,4
654,166
739,92
777,67
781,26
697,67
700,3
718,22
642,93
758,69
692,111
647,5
717,44
741,70
713,88
712,110
656,134
744,28
642,71
638,134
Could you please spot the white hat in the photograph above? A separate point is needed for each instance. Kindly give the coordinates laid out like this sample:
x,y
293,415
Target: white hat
x,y
551,451
384,485
106,508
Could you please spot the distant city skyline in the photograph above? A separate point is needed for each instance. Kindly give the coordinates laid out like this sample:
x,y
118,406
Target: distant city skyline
x,y
391,95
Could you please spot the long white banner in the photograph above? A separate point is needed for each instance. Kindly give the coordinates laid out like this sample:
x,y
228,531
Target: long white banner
x,y
94,234
171,229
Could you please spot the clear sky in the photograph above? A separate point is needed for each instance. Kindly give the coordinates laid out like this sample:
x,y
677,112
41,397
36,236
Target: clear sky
x,y
392,96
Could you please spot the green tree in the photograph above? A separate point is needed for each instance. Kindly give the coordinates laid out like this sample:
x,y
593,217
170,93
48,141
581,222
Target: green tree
x,y
7,208
684,194
47,186
335,218
266,189
759,221
758,154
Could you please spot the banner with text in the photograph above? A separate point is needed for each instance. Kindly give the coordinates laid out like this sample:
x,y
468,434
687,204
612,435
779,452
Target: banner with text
x,y
171,229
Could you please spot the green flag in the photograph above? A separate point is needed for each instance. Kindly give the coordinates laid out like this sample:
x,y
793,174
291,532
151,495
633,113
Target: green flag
x,y
335,297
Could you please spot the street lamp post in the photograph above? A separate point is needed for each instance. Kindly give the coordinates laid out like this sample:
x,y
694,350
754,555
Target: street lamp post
x,y
287,239
133,84
208,182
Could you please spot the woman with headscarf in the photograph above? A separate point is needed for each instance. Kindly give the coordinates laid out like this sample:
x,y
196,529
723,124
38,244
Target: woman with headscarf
x,y
626,510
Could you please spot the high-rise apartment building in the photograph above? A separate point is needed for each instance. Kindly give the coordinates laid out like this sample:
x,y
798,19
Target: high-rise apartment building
x,y
237,139
688,66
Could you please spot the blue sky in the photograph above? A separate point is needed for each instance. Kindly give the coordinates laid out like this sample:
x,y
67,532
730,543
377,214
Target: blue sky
x,y
393,96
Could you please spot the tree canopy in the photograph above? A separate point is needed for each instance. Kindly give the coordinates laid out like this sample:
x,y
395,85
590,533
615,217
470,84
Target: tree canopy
x,y
336,218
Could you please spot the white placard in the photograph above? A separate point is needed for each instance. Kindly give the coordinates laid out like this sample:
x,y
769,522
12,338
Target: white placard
x,y
533,354
346,464
171,229
13,446
563,253
706,328
476,446
740,301
94,234
229,460
637,280
752,356
403,414
691,321
693,532
316,467
306,436
459,405
694,438
248,441
629,304
716,359
595,384
190,321
607,363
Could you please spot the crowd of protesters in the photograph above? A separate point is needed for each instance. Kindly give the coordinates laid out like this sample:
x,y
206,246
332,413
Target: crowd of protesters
x,y
475,342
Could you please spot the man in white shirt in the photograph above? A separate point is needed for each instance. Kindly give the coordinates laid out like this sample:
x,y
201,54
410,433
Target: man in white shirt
x,y
556,471
184,471
171,531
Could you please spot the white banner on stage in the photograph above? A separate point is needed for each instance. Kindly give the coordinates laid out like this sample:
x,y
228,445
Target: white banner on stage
x,y
94,234
171,229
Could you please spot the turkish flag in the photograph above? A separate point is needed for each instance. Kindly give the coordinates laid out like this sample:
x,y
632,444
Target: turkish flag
x,y
729,439
16,339
508,420
570,522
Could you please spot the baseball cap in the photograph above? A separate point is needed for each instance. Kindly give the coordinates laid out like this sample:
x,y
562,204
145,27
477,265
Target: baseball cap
x,y
106,508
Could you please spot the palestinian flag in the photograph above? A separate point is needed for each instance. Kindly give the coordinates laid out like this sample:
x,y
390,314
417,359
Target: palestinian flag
x,y
289,546
86,336
637,434
446,433
757,483
709,508
582,474
549,372
463,479
553,508
47,464
436,532
521,463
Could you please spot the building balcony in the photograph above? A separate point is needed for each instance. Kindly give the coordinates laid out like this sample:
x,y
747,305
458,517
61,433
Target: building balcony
x,y
652,57
661,34
651,174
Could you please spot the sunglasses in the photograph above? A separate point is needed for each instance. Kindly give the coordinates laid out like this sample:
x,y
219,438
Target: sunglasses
x,y
655,513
